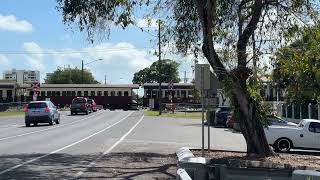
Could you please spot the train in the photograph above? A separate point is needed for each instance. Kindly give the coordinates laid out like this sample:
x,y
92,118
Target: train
x,y
108,96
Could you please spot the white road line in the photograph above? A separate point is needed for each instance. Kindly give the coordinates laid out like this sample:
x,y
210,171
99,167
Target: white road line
x,y
80,173
9,125
65,147
53,127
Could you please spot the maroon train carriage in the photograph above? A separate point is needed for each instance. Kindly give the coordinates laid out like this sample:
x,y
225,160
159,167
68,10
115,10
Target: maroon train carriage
x,y
110,96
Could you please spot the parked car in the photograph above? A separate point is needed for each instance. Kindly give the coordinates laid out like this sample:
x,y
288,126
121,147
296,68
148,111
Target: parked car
x,y
277,121
80,105
41,112
221,115
305,135
93,105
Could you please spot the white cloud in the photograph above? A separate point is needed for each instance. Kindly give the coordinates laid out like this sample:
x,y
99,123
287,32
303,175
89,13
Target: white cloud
x,y
120,60
34,58
3,60
10,23
147,23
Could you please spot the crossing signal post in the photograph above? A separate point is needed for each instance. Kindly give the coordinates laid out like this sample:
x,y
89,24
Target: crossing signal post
x,y
36,90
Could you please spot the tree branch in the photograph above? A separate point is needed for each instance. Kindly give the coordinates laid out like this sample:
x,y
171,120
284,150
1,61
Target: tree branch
x,y
248,31
207,13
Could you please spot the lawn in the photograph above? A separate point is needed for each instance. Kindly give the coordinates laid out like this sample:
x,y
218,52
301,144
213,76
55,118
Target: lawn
x,y
193,115
11,113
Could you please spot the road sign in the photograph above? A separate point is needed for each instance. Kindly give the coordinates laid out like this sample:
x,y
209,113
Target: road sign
x,y
34,97
35,85
206,76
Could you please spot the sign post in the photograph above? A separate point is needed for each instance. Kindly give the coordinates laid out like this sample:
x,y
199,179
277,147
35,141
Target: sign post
x,y
35,86
202,109
204,82
170,86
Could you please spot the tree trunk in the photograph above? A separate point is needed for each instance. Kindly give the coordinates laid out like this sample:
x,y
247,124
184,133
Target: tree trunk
x,y
251,128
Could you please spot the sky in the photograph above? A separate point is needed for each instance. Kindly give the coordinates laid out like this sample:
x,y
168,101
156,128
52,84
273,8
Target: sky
x,y
34,37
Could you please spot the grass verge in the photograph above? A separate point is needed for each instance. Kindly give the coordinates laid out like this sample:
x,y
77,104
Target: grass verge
x,y
11,113
193,115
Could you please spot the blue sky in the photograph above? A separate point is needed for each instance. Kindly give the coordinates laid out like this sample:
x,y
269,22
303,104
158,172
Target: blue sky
x,y
34,37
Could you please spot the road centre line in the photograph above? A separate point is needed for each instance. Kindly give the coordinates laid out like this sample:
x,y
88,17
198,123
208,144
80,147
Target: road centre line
x,y
65,147
110,149
53,127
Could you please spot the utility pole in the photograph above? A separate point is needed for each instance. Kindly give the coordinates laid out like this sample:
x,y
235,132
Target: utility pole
x,y
159,69
185,77
105,79
82,71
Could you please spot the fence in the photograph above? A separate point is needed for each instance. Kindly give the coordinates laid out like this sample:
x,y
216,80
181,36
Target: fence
x,y
13,106
296,112
186,107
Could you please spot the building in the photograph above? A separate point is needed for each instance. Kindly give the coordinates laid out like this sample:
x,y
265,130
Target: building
x,y
22,76
7,90
48,75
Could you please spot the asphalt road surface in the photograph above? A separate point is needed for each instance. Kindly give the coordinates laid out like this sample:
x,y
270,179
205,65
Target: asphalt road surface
x,y
102,145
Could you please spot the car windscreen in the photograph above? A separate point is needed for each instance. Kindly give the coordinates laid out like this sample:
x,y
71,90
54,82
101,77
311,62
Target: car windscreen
x,y
37,105
79,101
276,119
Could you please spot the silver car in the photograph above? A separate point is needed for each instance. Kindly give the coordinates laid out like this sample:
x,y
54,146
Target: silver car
x,y
41,112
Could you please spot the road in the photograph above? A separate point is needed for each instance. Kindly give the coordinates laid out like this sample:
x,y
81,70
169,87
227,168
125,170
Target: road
x,y
105,144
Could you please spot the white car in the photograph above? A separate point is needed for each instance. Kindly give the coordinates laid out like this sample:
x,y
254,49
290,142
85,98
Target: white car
x,y
306,135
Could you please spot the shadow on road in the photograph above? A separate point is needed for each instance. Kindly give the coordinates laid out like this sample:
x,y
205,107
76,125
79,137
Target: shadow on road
x,y
122,165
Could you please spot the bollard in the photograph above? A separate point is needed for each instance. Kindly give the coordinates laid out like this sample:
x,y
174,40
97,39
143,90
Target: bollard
x,y
300,112
292,111
318,111
309,110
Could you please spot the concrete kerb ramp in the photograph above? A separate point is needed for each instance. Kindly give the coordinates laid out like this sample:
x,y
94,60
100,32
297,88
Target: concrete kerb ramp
x,y
199,168
194,166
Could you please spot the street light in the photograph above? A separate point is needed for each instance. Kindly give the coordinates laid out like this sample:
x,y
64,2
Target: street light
x,y
87,64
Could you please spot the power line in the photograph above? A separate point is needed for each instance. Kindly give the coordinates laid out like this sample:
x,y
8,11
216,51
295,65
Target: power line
x,y
104,50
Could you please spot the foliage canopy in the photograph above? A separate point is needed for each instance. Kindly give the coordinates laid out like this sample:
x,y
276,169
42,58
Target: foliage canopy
x,y
71,76
169,72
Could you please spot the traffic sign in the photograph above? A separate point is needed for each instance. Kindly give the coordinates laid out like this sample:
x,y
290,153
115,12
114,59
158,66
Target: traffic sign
x,y
35,85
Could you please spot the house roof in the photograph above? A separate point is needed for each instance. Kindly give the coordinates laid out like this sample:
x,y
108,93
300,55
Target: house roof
x,y
166,84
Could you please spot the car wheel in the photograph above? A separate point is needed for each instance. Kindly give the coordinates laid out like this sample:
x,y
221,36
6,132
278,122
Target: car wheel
x,y
35,124
58,120
51,121
283,145
27,124
72,113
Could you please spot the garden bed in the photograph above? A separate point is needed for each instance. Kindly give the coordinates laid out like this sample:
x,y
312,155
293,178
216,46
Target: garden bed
x,y
294,160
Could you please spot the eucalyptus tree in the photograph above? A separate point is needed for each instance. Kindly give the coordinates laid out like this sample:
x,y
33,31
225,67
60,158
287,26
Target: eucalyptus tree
x,y
209,28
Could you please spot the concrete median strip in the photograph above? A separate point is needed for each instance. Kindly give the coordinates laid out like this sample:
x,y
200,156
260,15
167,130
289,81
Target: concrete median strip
x,y
53,127
110,149
65,147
